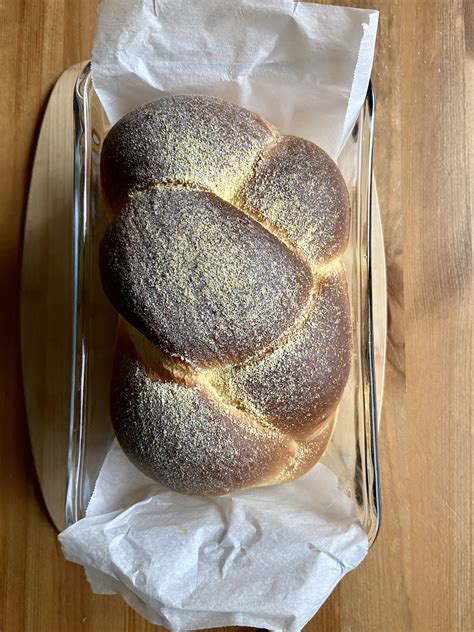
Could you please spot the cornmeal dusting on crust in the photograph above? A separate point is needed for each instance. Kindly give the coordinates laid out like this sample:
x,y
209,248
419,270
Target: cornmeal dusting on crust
x,y
182,138
199,278
179,437
298,188
224,255
307,452
301,382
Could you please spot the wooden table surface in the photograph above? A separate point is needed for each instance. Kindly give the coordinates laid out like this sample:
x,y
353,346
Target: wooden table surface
x,y
418,574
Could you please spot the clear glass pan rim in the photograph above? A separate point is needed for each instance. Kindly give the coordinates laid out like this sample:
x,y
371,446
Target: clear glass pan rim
x,y
82,194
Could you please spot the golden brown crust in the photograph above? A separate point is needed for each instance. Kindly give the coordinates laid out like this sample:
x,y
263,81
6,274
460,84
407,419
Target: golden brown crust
x,y
300,383
177,429
224,255
187,440
199,278
297,187
181,139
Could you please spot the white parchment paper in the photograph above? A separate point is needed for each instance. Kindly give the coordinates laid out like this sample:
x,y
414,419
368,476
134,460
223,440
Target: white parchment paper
x,y
267,557
304,67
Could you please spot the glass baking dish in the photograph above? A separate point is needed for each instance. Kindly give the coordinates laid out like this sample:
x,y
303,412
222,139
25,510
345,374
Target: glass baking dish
x,y
352,452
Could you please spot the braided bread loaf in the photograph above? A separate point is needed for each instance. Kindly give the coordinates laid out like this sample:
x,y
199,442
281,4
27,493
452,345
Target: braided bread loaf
x,y
222,258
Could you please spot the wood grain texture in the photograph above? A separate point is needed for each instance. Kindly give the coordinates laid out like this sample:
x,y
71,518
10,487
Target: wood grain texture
x,y
417,577
47,296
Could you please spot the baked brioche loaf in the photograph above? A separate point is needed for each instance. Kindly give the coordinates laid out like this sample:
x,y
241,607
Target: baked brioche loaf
x,y
223,259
